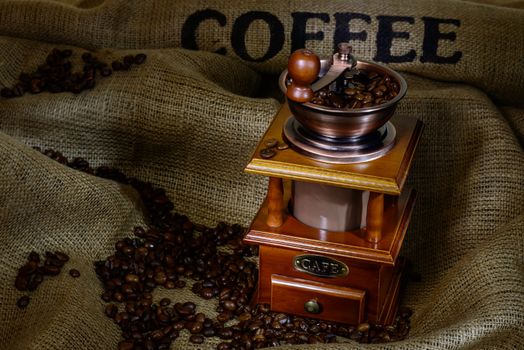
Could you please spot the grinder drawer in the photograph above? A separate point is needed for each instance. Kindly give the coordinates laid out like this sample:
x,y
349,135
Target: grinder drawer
x,y
317,300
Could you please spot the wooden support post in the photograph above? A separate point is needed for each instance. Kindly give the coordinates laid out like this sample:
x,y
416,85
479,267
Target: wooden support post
x,y
375,217
275,195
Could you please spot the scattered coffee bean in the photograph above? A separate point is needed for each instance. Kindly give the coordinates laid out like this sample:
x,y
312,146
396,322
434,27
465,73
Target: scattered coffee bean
x,y
6,93
56,74
34,256
117,65
126,345
63,257
129,60
32,273
196,339
282,146
140,58
405,312
267,153
23,302
106,71
111,310
74,273
270,143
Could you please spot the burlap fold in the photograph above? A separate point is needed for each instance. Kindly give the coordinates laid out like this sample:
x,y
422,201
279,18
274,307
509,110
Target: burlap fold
x,y
188,121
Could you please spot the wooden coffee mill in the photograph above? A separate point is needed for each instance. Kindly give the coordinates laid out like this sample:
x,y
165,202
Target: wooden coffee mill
x,y
336,212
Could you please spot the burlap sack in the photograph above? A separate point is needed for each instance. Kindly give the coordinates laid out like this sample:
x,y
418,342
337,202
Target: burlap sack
x,y
187,121
445,40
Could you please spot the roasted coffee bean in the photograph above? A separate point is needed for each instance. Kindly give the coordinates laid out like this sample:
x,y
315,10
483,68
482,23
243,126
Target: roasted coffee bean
x,y
111,310
350,91
267,153
245,316
323,93
165,302
209,332
200,318
106,71
7,93
66,53
359,97
28,268
74,273
405,312
282,146
140,58
371,86
117,296
36,86
372,75
129,60
194,327
337,101
272,142
317,101
160,278
170,284
21,282
51,270
224,317
23,302
57,75
378,92
132,278
368,98
207,293
54,262
87,57
126,345
196,339
117,65
225,333
18,90
223,346
230,305
358,91
107,296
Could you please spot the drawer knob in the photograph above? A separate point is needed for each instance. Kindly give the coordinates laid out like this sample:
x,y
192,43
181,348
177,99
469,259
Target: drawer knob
x,y
312,306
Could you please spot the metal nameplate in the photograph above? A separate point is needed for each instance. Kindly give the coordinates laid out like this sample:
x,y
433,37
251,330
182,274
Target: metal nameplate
x,y
320,266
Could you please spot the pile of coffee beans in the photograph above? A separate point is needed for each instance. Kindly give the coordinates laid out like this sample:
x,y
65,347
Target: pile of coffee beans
x,y
32,273
172,250
365,89
57,75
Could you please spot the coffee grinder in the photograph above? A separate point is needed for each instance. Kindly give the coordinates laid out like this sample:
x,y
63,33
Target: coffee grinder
x,y
336,212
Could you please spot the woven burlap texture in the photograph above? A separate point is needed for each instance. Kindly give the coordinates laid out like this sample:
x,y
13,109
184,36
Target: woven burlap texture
x,y
187,121
487,36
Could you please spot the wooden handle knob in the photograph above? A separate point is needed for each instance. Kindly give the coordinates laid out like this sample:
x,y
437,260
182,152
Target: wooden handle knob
x,y
303,67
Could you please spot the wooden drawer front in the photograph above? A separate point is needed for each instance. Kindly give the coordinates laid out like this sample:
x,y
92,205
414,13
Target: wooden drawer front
x,y
339,304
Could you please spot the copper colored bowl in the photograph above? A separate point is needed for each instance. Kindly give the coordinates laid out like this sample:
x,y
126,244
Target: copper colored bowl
x,y
334,122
